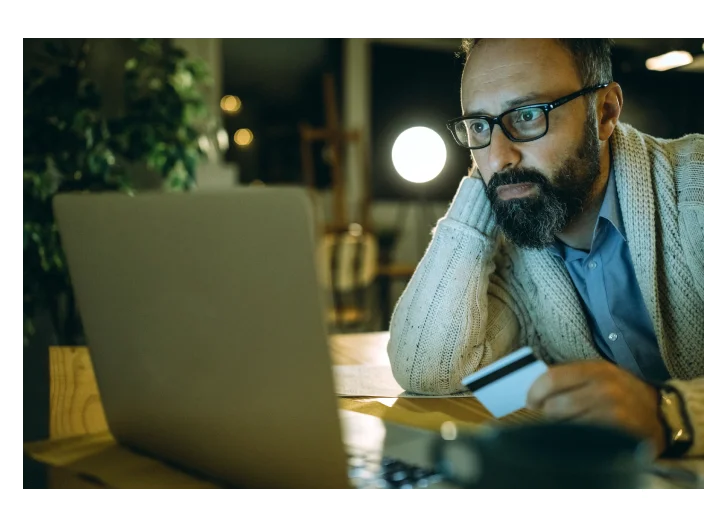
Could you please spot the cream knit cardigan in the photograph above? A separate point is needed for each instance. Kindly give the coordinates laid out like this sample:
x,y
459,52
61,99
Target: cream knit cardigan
x,y
474,297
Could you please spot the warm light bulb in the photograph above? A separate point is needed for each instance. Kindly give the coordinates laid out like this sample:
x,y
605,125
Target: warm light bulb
x,y
243,137
230,104
674,59
419,154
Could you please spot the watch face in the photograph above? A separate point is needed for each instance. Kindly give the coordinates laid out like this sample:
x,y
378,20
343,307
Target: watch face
x,y
673,413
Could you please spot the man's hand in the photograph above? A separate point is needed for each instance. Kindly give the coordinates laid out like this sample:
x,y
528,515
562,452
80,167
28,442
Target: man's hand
x,y
600,392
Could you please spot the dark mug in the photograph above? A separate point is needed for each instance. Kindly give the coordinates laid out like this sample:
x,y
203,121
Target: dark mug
x,y
544,455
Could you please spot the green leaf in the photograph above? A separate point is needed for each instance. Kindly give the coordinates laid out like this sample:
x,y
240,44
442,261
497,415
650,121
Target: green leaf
x,y
28,329
71,145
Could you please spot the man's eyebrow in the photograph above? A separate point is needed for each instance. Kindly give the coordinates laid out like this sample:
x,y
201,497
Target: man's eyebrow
x,y
531,97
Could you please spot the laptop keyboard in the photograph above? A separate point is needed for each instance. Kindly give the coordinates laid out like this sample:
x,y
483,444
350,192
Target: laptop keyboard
x,y
368,472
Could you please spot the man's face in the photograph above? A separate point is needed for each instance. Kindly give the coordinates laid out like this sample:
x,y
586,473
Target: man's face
x,y
536,188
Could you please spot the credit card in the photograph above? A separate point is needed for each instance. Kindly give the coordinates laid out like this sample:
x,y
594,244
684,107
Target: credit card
x,y
502,387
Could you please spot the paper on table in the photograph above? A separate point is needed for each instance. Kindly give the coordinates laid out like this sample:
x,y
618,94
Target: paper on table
x,y
373,381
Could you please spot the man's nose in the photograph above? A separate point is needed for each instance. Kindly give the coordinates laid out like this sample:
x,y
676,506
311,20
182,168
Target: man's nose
x,y
502,152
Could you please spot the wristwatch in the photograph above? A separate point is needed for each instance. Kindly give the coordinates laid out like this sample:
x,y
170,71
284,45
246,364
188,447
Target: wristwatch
x,y
675,421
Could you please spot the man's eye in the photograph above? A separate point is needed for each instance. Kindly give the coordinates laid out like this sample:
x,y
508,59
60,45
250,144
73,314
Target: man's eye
x,y
477,127
527,115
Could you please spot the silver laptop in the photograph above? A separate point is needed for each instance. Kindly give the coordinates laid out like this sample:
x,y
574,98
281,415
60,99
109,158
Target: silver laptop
x,y
205,321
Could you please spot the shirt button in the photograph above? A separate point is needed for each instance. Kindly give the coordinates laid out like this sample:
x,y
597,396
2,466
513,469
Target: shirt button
x,y
591,265
613,336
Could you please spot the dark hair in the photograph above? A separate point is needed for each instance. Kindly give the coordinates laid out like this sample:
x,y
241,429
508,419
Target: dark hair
x,y
591,56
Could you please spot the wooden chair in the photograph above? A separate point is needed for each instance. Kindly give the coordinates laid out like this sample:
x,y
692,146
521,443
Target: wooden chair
x,y
348,262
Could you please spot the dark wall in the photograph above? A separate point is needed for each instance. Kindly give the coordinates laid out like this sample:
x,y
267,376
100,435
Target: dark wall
x,y
414,87
280,83
664,104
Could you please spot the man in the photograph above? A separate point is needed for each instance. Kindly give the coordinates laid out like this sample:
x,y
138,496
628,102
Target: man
x,y
575,234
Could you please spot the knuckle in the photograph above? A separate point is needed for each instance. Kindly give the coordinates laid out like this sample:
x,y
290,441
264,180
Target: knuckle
x,y
560,406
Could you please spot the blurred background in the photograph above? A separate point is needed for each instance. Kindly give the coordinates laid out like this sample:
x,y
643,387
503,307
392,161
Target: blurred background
x,y
359,122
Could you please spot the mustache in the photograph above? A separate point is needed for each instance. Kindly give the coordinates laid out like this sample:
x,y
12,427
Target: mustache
x,y
516,176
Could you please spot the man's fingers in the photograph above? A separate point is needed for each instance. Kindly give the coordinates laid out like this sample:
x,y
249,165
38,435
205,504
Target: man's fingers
x,y
557,379
568,405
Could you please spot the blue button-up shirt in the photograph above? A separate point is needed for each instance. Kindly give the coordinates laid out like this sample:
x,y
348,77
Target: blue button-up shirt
x,y
606,282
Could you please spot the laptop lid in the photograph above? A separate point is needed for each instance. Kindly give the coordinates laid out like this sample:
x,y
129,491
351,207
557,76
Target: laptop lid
x,y
204,318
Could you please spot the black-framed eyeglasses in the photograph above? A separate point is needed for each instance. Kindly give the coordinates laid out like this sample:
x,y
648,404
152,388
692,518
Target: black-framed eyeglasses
x,y
522,124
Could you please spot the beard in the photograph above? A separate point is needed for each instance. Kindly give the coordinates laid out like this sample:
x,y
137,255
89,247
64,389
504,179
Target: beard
x,y
533,222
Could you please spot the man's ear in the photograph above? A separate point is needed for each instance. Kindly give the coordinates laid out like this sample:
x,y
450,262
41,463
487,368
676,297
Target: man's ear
x,y
610,103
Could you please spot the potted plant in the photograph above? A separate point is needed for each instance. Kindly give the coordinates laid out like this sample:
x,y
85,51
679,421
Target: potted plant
x,y
72,143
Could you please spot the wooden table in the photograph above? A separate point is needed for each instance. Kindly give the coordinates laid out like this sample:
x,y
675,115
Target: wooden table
x,y
75,407
76,411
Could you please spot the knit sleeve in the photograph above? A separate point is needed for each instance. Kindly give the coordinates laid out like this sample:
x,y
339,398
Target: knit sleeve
x,y
690,166
688,158
454,316
693,393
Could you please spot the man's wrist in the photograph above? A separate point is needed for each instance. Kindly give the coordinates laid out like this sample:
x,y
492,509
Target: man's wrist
x,y
472,208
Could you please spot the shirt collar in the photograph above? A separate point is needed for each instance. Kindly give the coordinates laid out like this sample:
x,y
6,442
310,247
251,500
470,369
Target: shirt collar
x,y
610,208
610,212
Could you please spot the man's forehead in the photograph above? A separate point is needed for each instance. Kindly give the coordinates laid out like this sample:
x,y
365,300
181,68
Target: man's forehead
x,y
508,72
